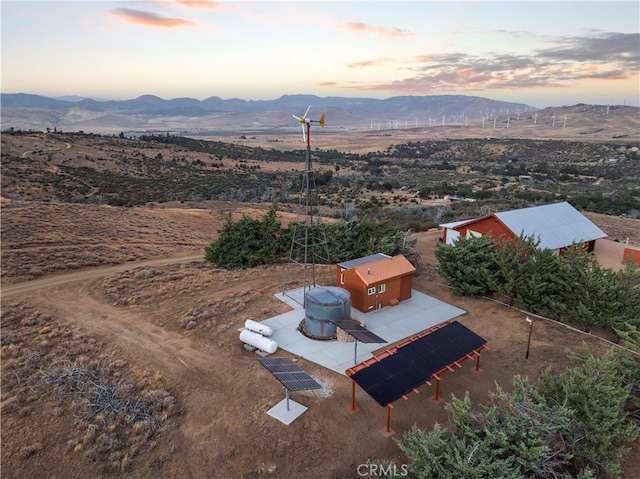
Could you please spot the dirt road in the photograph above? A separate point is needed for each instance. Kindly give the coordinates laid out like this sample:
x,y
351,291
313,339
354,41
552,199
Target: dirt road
x,y
88,274
198,370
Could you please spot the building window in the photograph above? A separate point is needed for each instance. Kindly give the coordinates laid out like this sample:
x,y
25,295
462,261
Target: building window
x,y
371,291
342,278
381,288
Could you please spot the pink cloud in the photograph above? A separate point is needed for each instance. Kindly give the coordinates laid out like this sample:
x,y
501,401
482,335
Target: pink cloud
x,y
371,63
206,4
384,32
148,18
551,68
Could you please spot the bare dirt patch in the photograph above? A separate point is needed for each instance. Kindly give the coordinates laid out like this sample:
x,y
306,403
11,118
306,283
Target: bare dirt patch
x,y
173,327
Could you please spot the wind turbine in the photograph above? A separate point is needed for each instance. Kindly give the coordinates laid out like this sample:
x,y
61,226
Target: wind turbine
x,y
306,126
309,240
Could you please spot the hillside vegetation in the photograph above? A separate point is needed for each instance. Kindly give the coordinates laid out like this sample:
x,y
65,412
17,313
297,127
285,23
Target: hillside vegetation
x,y
416,184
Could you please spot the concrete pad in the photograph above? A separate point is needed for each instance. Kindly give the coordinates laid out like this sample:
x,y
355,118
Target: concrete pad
x,y
393,324
284,415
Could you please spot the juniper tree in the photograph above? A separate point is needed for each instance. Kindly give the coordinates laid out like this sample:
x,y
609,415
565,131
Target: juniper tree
x,y
598,391
514,255
542,289
470,265
571,424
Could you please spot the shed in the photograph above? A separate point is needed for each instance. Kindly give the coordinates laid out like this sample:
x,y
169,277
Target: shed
x,y
376,281
556,226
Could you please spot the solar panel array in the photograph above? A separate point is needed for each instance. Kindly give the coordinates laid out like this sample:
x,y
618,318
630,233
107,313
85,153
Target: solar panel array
x,y
358,332
415,363
289,374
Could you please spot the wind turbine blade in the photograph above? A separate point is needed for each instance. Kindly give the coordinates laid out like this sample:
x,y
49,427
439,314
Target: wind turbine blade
x,y
304,133
305,113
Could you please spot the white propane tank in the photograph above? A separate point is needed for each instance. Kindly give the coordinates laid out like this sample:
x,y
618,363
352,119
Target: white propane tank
x,y
256,327
254,339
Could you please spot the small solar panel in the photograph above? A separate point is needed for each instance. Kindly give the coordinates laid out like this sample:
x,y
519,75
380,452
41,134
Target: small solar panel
x,y
289,374
354,329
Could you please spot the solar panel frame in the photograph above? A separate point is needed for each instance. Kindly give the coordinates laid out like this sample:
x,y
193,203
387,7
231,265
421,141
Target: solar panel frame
x,y
415,363
292,377
359,333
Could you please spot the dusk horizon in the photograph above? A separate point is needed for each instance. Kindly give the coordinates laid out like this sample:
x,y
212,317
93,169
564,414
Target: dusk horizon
x,y
537,53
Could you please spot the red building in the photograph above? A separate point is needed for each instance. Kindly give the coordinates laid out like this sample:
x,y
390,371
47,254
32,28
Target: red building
x,y
555,226
376,281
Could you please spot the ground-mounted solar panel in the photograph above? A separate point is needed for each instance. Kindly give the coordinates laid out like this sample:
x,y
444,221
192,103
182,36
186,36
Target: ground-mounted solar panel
x,y
292,377
359,333
415,363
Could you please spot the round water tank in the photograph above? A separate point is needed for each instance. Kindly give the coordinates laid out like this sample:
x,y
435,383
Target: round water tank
x,y
321,304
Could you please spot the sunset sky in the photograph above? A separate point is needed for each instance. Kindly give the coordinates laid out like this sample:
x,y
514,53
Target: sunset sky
x,y
542,53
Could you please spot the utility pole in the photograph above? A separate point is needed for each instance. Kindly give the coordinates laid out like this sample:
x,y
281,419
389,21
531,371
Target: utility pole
x,y
526,356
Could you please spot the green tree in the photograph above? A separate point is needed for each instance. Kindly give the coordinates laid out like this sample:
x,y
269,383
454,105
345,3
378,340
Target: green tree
x,y
513,256
358,237
515,435
570,424
470,265
624,316
541,290
249,242
597,390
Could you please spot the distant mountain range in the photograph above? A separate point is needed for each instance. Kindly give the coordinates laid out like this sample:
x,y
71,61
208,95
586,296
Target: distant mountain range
x,y
150,104
26,111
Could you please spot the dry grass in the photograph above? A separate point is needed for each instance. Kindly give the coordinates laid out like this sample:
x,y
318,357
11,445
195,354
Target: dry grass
x,y
109,410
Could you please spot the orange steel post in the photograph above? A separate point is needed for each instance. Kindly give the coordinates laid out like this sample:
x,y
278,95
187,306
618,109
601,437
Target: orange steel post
x,y
387,430
478,363
388,418
353,397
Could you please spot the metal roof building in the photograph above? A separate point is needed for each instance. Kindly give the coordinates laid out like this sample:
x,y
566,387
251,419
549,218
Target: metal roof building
x,y
556,226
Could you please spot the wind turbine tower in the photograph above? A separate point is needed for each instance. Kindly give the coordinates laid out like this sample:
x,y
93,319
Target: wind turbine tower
x,y
309,241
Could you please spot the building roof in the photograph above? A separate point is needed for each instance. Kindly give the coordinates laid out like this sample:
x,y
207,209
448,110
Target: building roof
x,y
383,269
455,223
364,260
555,225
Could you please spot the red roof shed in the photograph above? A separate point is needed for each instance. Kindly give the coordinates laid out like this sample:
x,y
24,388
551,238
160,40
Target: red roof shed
x,y
376,281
